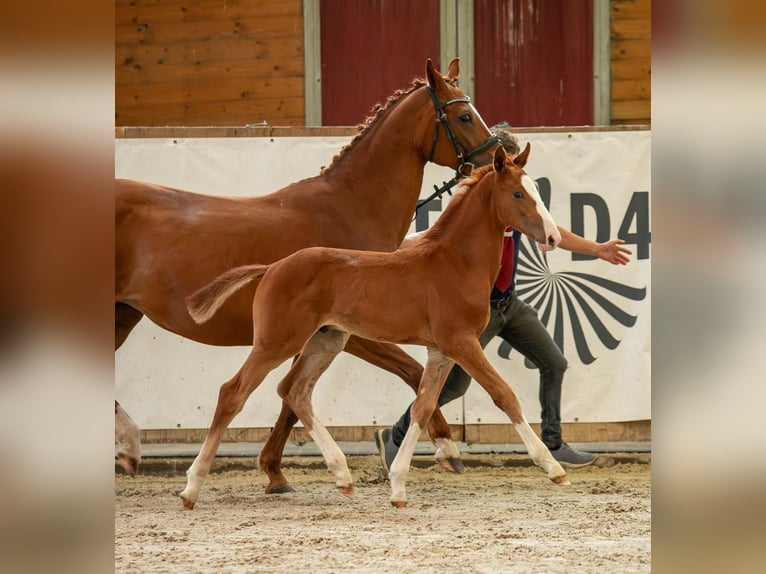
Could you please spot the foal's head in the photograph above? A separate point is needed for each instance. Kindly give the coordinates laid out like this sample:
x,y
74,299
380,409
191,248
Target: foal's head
x,y
518,202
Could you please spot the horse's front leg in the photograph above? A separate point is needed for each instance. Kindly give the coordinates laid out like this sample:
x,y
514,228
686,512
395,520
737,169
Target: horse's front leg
x,y
270,459
128,437
394,360
437,369
469,355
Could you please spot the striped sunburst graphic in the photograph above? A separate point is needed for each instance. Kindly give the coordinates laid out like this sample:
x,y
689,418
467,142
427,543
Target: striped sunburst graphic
x,y
578,295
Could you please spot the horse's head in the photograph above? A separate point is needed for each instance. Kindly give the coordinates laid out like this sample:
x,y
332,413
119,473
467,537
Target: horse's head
x,y
459,138
518,202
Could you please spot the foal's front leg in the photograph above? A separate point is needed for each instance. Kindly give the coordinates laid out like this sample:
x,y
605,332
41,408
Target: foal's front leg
x,y
469,355
436,371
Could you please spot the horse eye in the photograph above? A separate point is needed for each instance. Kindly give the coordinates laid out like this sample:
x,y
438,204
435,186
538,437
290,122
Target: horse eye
x,y
466,118
518,194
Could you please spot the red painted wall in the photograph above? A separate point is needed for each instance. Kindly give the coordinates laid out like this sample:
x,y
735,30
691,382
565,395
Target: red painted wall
x,y
370,49
534,61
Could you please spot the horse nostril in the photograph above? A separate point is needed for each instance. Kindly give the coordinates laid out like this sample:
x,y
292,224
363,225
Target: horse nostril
x,y
551,241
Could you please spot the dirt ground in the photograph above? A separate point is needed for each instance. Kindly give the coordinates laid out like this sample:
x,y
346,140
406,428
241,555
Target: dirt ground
x,y
500,516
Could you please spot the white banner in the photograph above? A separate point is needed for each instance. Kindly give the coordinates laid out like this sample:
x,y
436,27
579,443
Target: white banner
x,y
599,186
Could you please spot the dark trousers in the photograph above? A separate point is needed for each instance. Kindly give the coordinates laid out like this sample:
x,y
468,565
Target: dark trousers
x,y
517,323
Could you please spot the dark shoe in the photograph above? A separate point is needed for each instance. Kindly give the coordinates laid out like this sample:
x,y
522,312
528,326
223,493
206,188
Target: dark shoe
x,y
386,447
571,458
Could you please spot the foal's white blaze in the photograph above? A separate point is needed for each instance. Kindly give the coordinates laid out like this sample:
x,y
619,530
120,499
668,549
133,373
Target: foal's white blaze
x,y
551,230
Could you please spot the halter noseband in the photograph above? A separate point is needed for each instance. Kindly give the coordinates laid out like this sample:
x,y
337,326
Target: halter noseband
x,y
465,167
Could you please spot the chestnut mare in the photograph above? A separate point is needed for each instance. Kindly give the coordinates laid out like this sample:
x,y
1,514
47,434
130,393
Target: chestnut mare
x,y
169,242
432,293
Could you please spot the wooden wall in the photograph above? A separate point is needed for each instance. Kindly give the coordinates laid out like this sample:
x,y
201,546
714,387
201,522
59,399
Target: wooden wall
x,y
631,68
209,62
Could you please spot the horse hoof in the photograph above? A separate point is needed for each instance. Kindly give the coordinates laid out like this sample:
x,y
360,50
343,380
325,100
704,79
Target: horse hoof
x,y
452,464
561,480
128,464
398,503
280,489
347,490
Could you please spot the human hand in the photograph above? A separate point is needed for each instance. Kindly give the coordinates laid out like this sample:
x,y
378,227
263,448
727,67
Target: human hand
x,y
613,252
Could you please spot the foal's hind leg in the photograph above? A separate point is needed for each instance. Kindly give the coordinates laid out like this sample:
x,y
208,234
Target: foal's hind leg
x,y
469,355
296,388
126,432
231,399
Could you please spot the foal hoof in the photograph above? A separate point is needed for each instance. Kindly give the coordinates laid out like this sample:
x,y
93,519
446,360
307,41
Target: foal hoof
x,y
347,490
452,464
188,504
398,503
279,489
128,463
562,480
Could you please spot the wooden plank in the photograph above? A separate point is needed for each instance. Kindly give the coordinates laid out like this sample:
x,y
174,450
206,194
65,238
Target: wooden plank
x,y
632,89
236,112
231,132
632,110
630,431
193,90
624,49
628,9
139,12
220,52
631,69
169,33
251,71
638,29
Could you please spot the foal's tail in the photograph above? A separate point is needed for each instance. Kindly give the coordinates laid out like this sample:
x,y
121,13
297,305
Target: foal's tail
x,y
203,303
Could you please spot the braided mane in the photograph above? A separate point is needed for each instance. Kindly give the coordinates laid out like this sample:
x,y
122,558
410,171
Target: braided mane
x,y
378,110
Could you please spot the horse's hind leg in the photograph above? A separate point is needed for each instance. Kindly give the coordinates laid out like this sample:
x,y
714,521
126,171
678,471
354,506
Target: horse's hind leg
x,y
231,399
127,435
296,388
393,359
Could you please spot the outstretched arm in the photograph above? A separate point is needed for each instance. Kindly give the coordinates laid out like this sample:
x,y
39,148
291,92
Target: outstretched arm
x,y
611,251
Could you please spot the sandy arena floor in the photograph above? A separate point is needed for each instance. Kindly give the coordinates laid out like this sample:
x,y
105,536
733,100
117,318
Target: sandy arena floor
x,y
500,516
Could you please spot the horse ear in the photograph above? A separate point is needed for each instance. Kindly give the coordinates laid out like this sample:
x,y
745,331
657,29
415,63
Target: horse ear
x,y
433,77
499,159
453,71
521,159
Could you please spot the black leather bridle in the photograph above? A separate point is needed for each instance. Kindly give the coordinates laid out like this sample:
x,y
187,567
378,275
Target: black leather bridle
x,y
465,167
464,156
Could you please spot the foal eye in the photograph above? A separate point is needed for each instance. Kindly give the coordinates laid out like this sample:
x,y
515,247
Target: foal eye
x,y
518,194
465,118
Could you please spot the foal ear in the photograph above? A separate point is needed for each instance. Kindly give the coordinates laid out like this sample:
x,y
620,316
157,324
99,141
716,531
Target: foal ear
x,y
453,71
521,159
499,159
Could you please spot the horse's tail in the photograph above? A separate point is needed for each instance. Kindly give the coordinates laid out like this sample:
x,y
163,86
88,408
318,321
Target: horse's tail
x,y
204,303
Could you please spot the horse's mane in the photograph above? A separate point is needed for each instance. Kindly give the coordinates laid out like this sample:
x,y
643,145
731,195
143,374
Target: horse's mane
x,y
378,110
